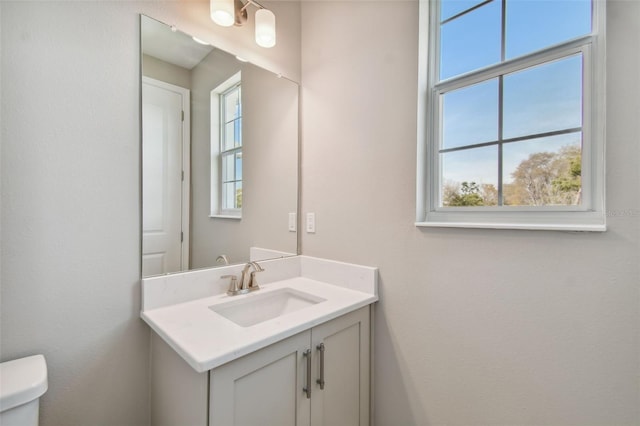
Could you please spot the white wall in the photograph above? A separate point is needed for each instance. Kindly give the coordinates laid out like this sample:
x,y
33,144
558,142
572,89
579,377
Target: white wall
x,y
70,252
474,327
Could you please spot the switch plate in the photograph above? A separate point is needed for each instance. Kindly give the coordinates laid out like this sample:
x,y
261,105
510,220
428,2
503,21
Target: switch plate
x,y
311,223
292,222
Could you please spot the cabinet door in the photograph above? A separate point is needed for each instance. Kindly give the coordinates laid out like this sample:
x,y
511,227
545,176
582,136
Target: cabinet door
x,y
264,388
344,400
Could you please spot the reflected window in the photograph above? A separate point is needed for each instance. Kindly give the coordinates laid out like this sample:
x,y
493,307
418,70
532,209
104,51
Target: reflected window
x,y
231,148
226,148
513,107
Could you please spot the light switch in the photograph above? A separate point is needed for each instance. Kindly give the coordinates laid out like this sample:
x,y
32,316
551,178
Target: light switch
x,y
311,223
292,222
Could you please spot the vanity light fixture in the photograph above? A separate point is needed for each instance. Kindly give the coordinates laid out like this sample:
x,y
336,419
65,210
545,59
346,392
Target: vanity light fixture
x,y
234,12
222,12
265,28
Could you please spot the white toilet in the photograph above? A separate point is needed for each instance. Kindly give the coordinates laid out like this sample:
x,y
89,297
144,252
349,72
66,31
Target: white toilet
x,y
22,383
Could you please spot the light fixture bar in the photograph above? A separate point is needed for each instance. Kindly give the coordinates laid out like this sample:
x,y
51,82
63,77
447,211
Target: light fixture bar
x,y
255,3
234,12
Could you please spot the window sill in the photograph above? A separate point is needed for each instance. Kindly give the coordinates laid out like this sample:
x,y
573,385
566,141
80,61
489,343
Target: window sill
x,y
224,216
522,226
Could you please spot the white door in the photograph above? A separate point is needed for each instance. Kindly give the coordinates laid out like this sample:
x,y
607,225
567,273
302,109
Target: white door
x,y
163,141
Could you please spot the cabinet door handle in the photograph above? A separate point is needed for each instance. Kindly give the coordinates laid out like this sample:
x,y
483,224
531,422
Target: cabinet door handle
x,y
307,389
320,381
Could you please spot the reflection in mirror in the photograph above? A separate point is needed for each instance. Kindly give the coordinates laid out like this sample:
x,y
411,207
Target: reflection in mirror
x,y
219,156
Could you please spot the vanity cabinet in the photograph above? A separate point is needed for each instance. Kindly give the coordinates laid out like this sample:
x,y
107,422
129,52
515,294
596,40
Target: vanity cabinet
x,y
282,384
262,388
278,385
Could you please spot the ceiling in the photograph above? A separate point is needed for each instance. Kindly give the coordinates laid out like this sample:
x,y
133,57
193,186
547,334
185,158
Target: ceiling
x,y
175,47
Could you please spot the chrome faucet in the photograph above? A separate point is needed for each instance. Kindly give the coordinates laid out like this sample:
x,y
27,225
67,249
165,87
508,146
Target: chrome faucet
x,y
223,258
248,281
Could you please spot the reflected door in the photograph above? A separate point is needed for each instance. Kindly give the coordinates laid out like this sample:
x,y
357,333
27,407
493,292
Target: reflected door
x,y
164,248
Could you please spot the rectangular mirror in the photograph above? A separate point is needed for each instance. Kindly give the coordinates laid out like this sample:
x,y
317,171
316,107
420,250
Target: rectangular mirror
x,y
219,156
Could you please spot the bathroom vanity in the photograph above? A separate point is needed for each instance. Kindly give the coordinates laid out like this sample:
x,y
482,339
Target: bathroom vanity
x,y
295,352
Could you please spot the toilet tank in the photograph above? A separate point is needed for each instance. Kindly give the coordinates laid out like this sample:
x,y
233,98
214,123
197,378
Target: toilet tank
x,y
22,383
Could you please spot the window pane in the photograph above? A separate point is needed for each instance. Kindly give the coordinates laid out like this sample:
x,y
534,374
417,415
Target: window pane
x,y
232,105
471,41
232,195
470,115
228,171
237,132
238,195
469,177
534,24
238,166
449,8
231,135
228,195
544,98
543,172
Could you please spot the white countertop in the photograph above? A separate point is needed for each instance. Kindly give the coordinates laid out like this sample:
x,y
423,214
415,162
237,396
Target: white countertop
x,y
206,339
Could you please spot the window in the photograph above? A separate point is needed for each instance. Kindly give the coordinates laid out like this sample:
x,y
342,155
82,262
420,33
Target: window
x,y
226,149
511,113
231,148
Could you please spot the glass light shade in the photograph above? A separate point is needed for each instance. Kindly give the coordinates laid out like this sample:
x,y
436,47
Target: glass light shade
x,y
222,12
265,28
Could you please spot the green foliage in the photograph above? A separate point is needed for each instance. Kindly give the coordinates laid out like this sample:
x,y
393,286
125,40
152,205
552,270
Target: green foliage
x,y
239,198
544,178
570,180
467,195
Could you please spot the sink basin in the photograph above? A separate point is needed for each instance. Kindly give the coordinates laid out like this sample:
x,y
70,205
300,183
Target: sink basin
x,y
259,307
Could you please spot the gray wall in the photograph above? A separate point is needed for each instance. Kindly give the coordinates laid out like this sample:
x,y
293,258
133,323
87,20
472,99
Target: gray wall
x,y
164,71
70,251
474,327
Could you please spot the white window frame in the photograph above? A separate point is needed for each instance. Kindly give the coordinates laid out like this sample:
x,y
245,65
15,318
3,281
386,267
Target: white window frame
x,y
216,150
590,215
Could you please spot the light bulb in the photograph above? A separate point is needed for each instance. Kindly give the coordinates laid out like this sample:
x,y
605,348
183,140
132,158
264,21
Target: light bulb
x,y
265,28
222,12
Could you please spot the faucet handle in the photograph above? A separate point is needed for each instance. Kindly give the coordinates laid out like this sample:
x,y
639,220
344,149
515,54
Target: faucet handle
x,y
233,284
256,266
253,281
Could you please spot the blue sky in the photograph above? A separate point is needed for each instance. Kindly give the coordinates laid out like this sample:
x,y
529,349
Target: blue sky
x,y
541,99
473,41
